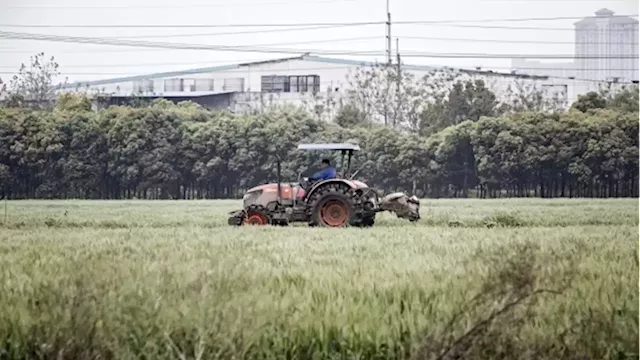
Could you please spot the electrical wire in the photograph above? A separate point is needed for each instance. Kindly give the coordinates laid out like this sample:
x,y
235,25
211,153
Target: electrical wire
x,y
408,53
509,56
511,41
103,41
536,28
407,22
244,61
193,25
556,18
64,7
13,50
229,33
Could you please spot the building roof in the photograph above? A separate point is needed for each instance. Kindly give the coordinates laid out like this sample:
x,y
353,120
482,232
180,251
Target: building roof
x,y
303,57
605,13
190,95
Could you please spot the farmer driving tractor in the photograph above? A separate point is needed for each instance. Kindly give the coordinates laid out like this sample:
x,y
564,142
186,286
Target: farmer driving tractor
x,y
327,172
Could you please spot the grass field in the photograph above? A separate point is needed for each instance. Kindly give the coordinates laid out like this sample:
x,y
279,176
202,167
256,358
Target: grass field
x,y
547,279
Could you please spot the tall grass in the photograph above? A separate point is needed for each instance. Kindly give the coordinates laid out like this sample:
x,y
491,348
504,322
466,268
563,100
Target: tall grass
x,y
168,281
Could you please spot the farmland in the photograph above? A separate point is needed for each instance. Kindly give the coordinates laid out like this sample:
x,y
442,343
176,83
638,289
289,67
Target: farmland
x,y
169,279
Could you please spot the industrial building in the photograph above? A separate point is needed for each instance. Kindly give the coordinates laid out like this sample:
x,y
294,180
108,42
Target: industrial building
x,y
242,87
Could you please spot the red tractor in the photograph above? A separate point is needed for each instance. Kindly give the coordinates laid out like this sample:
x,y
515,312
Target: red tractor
x,y
336,202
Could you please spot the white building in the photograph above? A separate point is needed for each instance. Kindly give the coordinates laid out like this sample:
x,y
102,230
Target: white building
x,y
242,87
607,47
606,52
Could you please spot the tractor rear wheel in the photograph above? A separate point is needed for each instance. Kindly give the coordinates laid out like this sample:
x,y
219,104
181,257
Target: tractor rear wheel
x,y
332,209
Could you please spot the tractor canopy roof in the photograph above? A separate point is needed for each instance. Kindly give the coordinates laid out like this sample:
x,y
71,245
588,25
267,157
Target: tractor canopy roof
x,y
331,146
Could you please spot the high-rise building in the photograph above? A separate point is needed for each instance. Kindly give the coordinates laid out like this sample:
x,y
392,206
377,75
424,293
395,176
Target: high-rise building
x,y
606,47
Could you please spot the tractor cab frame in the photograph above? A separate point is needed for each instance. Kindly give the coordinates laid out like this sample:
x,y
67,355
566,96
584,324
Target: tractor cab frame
x,y
344,148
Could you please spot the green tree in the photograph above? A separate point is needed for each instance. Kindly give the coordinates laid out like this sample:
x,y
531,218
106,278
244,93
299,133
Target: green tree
x,y
524,95
386,94
33,85
350,116
469,100
589,101
73,102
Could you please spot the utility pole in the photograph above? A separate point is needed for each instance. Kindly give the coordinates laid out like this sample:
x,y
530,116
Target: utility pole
x,y
398,57
389,63
388,34
398,83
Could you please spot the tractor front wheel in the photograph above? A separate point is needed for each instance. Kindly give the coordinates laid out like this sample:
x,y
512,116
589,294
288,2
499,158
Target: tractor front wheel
x,y
257,215
256,219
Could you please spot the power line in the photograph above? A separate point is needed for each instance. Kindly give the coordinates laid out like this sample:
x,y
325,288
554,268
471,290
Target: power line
x,y
310,42
556,18
408,22
103,41
192,25
231,32
63,7
218,61
481,68
508,56
510,41
502,27
13,50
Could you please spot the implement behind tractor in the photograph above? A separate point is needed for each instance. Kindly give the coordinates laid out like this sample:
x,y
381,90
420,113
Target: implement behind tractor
x,y
337,202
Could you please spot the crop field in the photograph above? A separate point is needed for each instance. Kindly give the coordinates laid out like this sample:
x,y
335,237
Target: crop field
x,y
474,279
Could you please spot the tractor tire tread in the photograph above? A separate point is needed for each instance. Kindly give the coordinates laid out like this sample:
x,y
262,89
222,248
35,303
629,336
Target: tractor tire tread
x,y
338,190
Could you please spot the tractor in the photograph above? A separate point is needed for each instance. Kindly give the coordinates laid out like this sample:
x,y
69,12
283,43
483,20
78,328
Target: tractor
x,y
337,202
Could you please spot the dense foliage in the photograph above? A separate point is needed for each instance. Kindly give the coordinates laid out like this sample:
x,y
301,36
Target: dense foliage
x,y
184,151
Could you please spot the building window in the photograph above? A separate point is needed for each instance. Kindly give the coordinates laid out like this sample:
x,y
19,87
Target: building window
x,y
174,85
296,83
233,84
203,85
304,83
274,83
188,85
142,86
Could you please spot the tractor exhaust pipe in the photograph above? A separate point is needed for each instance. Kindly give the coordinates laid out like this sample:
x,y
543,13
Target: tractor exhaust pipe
x,y
279,178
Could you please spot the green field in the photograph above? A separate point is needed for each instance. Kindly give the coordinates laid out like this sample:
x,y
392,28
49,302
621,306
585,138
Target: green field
x,y
170,280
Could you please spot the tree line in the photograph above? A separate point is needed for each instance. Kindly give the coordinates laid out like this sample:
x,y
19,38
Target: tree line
x,y
184,152
462,143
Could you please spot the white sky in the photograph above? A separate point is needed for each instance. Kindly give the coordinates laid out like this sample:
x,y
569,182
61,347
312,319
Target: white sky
x,y
89,62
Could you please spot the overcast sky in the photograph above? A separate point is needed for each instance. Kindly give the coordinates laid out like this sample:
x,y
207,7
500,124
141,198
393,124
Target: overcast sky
x,y
88,62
